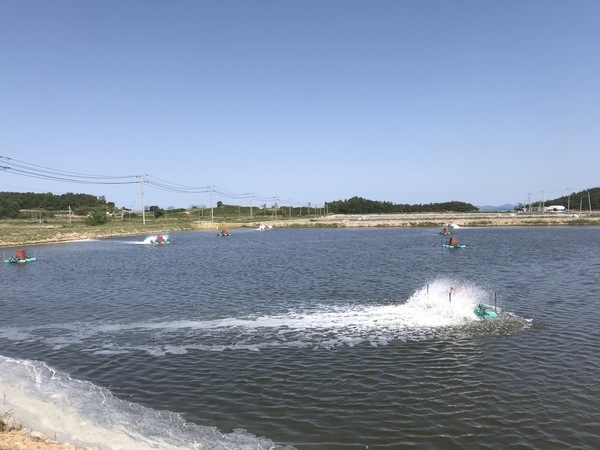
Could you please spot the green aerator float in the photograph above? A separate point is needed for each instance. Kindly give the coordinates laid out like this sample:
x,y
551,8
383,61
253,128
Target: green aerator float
x,y
453,243
484,312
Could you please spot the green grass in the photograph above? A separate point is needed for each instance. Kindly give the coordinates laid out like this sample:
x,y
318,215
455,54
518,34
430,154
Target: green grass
x,y
14,233
425,224
579,222
480,223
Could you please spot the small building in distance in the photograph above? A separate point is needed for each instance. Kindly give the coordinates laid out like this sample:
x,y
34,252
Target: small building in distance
x,y
555,208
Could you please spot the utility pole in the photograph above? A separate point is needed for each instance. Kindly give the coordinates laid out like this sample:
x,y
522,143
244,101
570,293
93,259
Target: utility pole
x,y
251,194
143,207
212,215
543,192
569,199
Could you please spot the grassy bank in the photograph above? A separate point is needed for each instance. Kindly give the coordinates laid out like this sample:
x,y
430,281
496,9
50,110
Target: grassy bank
x,y
22,232
15,233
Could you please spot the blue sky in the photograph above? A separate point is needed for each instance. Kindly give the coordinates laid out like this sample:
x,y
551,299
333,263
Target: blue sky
x,y
487,102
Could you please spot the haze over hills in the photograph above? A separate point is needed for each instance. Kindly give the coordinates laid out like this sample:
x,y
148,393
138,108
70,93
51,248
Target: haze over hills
x,y
505,207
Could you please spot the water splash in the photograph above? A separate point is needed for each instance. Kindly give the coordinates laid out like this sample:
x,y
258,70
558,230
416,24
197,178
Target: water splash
x,y
437,310
153,239
56,406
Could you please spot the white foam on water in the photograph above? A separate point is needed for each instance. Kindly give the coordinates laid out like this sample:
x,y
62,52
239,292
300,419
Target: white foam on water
x,y
152,239
437,307
55,406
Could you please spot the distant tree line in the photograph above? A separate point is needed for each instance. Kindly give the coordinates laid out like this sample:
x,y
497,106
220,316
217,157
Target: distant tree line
x,y
81,204
11,203
359,205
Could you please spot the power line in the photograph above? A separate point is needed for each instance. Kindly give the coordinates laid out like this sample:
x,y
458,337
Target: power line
x,y
60,175
46,173
62,179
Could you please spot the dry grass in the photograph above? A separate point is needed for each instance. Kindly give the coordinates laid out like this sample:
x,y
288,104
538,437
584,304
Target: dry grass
x,y
17,233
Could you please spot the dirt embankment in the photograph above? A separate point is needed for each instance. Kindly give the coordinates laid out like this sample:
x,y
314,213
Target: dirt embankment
x,y
18,440
440,220
12,235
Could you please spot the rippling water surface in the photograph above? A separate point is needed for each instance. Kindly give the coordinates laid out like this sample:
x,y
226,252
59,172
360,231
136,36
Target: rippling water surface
x,y
307,339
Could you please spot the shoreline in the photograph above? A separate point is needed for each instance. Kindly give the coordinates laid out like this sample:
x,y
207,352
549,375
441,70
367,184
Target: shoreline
x,y
20,234
17,236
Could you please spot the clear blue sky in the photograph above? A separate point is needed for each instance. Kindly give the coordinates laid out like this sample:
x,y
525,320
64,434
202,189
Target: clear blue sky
x,y
307,101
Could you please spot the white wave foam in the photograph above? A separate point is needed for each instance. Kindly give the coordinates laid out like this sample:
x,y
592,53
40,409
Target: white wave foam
x,y
53,405
152,239
437,307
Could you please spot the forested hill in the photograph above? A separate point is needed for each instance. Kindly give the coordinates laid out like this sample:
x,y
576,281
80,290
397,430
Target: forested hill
x,y
358,205
13,202
584,200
